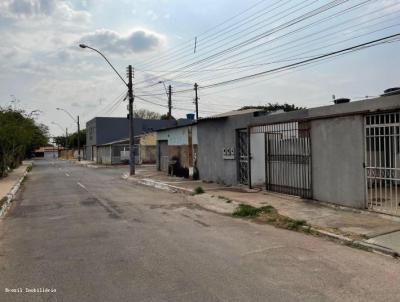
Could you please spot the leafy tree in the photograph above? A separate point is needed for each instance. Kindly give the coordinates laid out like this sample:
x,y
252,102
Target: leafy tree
x,y
72,141
146,114
19,136
275,107
167,117
60,141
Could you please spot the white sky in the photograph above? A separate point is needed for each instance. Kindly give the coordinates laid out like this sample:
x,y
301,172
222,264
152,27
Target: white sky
x,y
43,68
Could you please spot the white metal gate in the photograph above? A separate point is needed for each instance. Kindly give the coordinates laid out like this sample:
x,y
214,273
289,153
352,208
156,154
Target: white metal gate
x,y
382,162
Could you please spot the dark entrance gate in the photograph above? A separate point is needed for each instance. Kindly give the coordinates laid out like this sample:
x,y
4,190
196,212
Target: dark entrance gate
x,y
287,158
163,158
242,156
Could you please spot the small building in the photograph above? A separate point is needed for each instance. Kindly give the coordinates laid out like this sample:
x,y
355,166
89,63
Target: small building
x,y
48,152
347,154
177,150
105,130
117,152
218,137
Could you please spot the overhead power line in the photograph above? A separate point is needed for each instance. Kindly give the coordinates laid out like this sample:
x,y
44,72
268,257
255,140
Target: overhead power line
x,y
269,32
190,41
226,62
348,49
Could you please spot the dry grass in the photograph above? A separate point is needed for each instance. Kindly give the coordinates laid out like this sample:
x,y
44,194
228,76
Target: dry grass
x,y
268,214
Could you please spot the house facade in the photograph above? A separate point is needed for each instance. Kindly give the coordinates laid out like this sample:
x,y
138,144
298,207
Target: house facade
x,y
347,154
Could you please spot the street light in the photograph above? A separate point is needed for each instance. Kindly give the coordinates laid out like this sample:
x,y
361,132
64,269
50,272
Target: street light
x,y
131,98
79,130
165,87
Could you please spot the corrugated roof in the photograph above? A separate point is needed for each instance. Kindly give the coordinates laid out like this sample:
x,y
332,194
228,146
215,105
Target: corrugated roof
x,y
230,113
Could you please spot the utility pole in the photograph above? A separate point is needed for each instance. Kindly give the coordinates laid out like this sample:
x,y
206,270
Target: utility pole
x,y
131,130
196,100
66,138
79,140
169,101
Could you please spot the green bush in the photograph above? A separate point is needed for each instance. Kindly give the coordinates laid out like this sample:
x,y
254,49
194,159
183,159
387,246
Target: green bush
x,y
198,190
20,135
245,210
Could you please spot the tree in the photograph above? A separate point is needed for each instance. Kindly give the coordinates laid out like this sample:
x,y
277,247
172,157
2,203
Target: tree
x,y
72,140
60,141
167,117
271,107
20,135
146,114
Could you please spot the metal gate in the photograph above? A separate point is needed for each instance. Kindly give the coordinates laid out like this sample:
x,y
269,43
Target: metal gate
x,y
288,158
382,162
242,156
163,158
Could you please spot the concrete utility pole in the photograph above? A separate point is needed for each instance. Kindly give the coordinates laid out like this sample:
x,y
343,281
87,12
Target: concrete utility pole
x,y
131,130
196,100
169,101
79,140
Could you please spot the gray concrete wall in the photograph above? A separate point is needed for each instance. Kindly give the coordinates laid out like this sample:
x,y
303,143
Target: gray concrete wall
x,y
337,160
213,136
111,129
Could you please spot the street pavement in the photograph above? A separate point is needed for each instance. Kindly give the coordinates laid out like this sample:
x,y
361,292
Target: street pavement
x,y
89,235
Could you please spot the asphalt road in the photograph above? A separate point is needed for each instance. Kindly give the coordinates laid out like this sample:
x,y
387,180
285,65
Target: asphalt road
x,y
92,236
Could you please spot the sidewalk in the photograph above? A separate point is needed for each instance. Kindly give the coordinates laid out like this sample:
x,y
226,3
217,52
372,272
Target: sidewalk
x,y
345,224
10,185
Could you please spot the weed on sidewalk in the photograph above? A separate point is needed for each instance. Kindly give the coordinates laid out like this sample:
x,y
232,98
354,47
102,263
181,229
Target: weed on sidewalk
x,y
198,190
268,214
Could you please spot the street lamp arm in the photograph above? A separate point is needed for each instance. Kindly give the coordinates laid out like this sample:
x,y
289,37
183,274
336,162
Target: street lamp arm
x,y
165,87
70,115
104,57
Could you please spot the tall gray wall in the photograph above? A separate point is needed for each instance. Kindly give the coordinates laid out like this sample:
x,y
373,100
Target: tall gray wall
x,y
214,135
337,160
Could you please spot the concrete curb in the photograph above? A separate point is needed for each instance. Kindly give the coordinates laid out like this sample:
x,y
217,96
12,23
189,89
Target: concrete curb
x,y
377,248
357,243
343,239
158,185
10,196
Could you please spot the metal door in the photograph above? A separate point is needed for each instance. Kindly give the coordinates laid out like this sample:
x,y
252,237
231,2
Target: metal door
x,y
242,156
288,158
382,162
163,155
